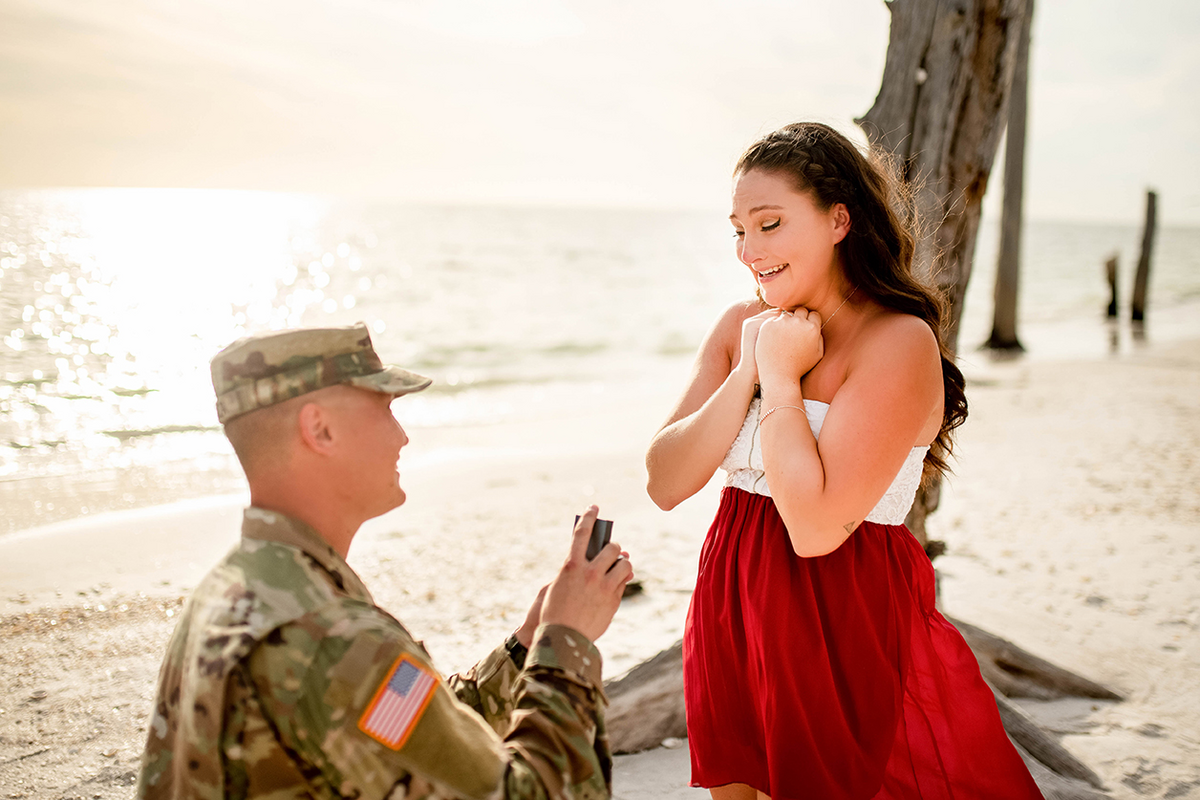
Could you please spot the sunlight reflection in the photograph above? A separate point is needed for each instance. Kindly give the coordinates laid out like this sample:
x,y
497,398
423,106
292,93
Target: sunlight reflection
x,y
189,272
115,296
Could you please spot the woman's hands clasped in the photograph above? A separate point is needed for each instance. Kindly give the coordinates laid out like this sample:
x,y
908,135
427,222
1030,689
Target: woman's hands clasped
x,y
748,362
788,344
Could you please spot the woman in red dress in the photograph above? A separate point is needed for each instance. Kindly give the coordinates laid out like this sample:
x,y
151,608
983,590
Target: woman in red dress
x,y
815,663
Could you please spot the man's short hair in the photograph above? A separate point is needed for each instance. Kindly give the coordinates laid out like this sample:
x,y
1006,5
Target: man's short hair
x,y
262,440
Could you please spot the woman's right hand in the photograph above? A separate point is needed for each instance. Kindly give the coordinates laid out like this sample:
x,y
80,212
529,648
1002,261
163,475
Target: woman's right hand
x,y
747,363
789,347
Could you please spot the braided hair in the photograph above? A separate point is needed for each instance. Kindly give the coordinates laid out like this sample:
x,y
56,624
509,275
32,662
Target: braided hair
x,y
876,255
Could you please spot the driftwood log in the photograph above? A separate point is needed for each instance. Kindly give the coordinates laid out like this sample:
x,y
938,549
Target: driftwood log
x,y
1019,673
1059,787
645,705
646,708
1037,748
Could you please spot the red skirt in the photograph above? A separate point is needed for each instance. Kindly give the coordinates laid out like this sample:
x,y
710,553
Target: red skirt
x,y
834,677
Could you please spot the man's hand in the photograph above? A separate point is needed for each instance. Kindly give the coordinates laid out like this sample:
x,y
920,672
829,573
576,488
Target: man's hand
x,y
532,619
586,594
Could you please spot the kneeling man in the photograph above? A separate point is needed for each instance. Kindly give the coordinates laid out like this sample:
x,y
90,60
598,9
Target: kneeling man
x,y
283,678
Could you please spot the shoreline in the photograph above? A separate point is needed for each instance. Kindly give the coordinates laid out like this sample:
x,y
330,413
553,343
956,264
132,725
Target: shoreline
x,y
1072,521
146,483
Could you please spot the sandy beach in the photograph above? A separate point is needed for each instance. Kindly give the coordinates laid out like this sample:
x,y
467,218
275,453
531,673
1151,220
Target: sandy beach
x,y
1072,524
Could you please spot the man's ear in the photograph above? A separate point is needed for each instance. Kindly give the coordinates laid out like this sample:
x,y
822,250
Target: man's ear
x,y
841,222
315,428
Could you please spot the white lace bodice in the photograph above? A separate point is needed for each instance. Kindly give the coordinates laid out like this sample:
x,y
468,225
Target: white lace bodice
x,y
744,463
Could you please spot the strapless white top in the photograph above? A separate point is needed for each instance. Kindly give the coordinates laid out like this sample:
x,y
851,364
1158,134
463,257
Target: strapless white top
x,y
744,463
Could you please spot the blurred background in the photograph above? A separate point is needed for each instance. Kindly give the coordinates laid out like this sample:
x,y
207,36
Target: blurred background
x,y
526,200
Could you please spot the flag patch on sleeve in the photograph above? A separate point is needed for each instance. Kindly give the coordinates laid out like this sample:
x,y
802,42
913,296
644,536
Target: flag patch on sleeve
x,y
398,703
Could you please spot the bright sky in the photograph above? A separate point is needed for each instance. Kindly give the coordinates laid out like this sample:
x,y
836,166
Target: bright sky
x,y
613,103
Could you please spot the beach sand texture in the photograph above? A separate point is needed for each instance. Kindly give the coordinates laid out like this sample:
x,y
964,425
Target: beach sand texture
x,y
1073,527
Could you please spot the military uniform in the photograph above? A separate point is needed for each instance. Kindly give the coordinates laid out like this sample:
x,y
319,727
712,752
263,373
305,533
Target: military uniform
x,y
280,658
283,679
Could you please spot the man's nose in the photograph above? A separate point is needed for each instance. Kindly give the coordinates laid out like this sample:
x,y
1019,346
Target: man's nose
x,y
400,430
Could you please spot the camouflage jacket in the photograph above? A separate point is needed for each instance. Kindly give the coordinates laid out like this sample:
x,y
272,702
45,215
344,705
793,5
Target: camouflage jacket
x,y
284,680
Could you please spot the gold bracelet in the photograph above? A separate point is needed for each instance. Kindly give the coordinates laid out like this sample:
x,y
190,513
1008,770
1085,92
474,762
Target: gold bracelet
x,y
773,409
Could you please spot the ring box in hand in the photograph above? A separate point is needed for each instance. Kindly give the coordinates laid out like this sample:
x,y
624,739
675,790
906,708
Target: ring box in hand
x,y
601,535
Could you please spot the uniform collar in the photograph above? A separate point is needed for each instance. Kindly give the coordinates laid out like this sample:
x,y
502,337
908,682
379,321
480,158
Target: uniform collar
x,y
271,526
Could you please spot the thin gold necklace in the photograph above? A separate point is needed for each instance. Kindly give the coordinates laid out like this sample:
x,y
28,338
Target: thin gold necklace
x,y
839,308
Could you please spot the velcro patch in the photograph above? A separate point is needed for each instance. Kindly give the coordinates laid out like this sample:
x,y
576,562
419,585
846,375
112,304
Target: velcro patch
x,y
398,703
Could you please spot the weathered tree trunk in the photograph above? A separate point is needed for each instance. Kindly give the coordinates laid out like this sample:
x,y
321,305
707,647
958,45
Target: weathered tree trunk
x,y
940,110
1138,310
924,504
1008,265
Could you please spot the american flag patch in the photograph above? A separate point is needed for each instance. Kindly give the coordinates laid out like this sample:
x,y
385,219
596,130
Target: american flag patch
x,y
398,703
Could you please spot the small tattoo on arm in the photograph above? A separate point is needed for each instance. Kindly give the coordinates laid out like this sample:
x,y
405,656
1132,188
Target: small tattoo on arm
x,y
850,526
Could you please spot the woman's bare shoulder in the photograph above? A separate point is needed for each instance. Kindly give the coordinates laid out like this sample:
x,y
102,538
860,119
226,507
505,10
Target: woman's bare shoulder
x,y
742,310
903,339
898,365
728,327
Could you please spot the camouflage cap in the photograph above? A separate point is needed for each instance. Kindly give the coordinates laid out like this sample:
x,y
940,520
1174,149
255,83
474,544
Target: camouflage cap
x,y
265,369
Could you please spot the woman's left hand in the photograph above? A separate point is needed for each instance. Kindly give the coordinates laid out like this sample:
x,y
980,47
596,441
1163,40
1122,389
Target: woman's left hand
x,y
789,346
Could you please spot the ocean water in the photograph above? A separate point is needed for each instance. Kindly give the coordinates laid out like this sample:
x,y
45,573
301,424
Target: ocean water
x,y
112,302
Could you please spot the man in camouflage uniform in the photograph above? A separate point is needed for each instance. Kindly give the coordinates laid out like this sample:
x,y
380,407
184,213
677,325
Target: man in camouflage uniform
x,y
283,679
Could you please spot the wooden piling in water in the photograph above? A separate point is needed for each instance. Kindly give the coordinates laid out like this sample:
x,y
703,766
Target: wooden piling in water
x,y
1142,279
1110,273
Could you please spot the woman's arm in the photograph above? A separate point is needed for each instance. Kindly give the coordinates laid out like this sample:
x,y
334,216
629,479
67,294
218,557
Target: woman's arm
x,y
687,450
891,397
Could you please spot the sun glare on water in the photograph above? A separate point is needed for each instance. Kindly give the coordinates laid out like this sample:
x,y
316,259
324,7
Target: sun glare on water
x,y
116,299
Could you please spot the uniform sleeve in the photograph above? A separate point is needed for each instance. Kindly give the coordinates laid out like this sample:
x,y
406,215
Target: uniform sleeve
x,y
359,703
558,726
489,687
